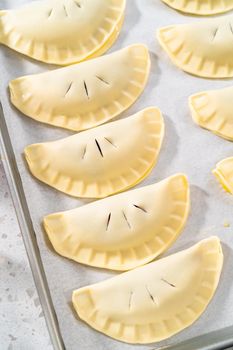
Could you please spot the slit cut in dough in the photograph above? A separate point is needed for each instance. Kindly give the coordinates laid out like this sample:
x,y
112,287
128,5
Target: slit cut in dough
x,y
62,31
126,230
213,110
203,48
224,174
155,301
102,161
200,7
87,94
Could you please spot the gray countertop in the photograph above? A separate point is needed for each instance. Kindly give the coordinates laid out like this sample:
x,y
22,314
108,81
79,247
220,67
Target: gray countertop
x,y
22,323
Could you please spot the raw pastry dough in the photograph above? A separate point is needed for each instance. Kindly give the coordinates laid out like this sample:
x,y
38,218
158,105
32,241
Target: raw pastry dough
x,y
101,161
85,95
203,48
156,301
126,230
62,31
224,173
213,110
200,7
108,44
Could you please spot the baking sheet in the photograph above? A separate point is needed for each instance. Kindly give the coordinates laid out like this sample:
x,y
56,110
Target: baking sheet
x,y
186,148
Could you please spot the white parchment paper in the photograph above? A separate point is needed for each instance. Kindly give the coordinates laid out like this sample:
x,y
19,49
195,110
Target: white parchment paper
x,y
187,148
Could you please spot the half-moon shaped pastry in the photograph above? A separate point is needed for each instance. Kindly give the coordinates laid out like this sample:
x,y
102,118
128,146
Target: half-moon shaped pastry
x,y
200,7
87,94
123,231
62,31
224,173
204,48
102,161
213,110
154,302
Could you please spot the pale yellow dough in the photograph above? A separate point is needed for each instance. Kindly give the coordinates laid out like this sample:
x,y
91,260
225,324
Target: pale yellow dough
x,y
101,161
108,44
224,173
203,48
123,231
156,301
84,95
62,31
200,7
213,110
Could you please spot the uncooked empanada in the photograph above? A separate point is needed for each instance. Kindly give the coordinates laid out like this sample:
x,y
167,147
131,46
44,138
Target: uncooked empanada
x,y
62,31
126,230
101,161
84,95
204,48
224,173
200,7
213,110
156,301
108,44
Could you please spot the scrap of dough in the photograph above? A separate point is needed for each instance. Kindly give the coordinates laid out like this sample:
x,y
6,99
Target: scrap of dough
x,y
200,7
102,161
62,31
87,94
213,110
126,230
224,174
154,302
203,48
